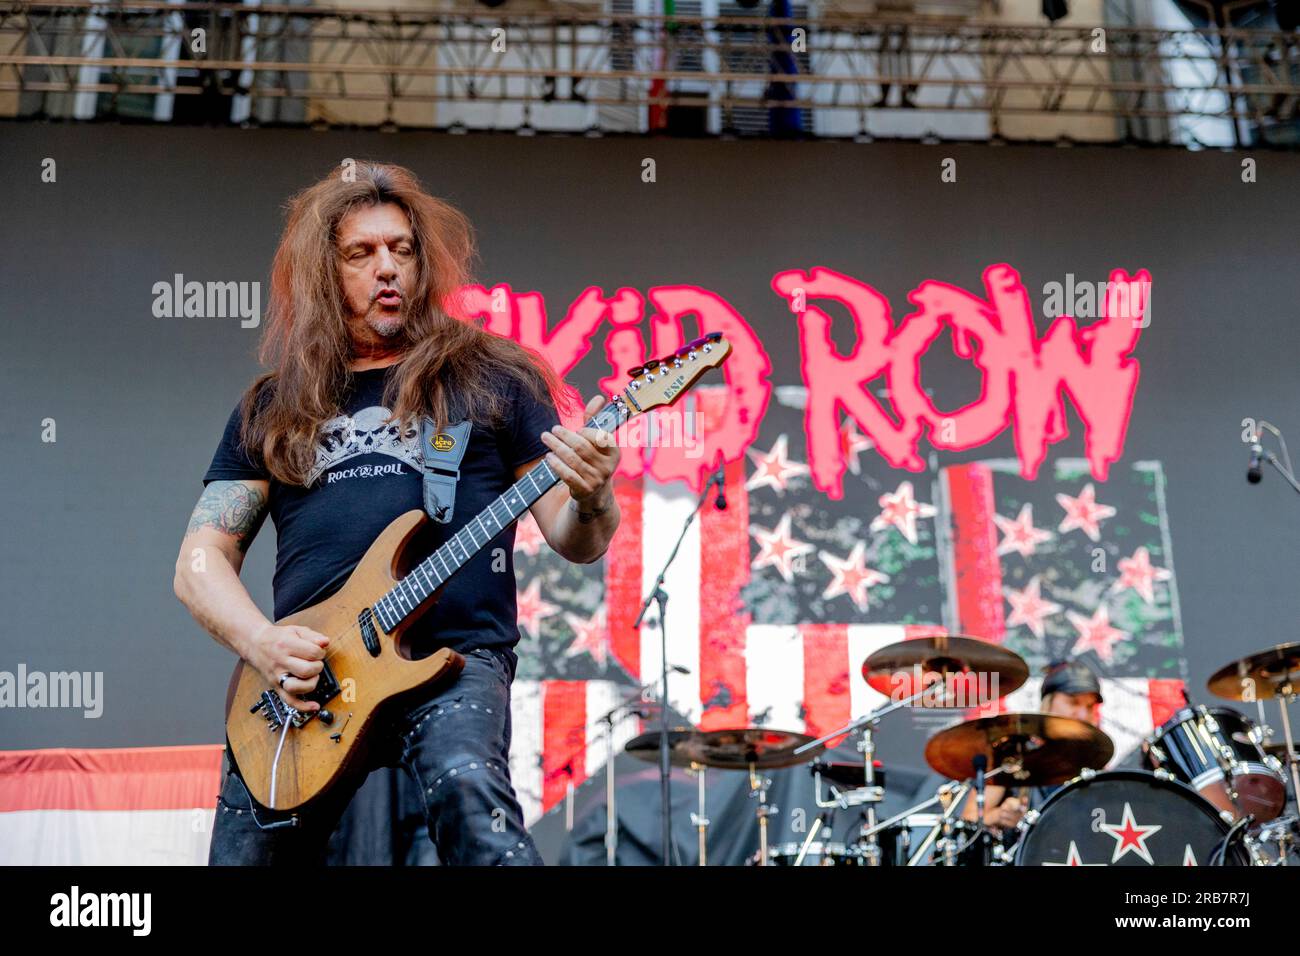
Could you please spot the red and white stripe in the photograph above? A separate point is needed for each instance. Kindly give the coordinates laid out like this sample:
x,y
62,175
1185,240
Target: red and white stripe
x,y
141,805
558,738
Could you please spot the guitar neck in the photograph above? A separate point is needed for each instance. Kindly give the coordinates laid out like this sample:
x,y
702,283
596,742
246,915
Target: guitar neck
x,y
659,382
435,570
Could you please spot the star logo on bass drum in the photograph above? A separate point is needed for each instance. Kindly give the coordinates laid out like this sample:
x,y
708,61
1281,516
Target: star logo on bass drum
x,y
1129,837
1072,858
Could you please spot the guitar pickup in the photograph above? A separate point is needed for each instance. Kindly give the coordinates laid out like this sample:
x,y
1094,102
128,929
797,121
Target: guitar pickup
x,y
369,636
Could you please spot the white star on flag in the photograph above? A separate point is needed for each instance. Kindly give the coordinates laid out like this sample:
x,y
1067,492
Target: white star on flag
x,y
528,537
533,607
1072,858
591,636
901,510
1020,534
851,576
1084,513
1189,858
1028,607
852,443
1129,837
1095,633
774,469
778,549
1138,573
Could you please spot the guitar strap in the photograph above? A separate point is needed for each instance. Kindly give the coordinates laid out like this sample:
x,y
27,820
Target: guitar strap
x,y
442,451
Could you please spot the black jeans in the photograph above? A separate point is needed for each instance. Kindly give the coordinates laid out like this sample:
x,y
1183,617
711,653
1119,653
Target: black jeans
x,y
455,744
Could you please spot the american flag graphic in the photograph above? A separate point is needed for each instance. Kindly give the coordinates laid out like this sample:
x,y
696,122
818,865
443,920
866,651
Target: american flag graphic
x,y
775,602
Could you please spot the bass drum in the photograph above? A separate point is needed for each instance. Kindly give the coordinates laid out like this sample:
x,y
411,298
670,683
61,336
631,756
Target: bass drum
x,y
1125,818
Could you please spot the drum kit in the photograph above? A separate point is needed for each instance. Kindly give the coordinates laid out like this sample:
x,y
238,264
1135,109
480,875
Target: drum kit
x,y
1214,791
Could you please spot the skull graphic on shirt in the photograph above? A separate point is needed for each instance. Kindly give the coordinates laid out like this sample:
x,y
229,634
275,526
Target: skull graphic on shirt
x,y
367,432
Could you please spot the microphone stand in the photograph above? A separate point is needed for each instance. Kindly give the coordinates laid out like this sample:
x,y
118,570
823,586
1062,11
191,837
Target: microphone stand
x,y
659,596
1283,470
1285,692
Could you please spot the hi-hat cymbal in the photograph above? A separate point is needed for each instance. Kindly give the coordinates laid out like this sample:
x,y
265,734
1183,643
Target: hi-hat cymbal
x,y
737,749
1034,750
975,670
1258,676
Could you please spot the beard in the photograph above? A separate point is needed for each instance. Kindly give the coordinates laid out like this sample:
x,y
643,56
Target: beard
x,y
386,326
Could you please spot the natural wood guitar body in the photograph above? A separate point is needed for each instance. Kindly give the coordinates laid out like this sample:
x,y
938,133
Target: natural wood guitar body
x,y
316,754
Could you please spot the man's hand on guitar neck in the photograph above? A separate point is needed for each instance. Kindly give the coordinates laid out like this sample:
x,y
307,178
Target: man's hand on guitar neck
x,y
579,516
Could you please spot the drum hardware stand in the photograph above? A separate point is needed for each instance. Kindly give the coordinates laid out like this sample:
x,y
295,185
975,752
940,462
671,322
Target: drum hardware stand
x,y
823,820
1285,696
954,792
758,785
941,834
867,747
699,820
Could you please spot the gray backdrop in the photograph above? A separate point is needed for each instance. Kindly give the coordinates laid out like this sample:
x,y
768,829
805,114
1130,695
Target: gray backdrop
x,y
92,521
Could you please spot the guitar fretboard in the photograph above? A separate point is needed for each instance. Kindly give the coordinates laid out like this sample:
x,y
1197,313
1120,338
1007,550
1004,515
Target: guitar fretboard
x,y
435,570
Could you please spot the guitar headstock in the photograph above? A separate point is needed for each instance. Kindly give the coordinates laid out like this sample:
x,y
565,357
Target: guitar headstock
x,y
662,381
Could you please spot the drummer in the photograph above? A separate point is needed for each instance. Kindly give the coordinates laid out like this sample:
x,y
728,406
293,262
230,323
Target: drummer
x,y
1070,689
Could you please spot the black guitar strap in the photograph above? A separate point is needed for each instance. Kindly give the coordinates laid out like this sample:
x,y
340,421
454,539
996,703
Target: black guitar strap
x,y
442,451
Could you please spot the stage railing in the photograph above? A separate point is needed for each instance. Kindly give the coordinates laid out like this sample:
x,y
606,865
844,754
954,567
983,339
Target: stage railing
x,y
581,70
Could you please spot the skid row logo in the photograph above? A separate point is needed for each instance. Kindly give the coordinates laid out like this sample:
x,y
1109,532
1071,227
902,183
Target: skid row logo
x,y
1026,376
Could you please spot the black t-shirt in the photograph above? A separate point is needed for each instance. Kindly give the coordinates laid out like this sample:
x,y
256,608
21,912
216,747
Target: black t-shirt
x,y
368,472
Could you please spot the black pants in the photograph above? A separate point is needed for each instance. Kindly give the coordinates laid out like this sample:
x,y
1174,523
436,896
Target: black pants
x,y
455,744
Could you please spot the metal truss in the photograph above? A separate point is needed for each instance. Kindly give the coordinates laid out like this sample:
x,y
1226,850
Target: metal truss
x,y
582,64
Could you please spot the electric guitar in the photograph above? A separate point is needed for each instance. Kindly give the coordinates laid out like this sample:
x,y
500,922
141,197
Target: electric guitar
x,y
289,757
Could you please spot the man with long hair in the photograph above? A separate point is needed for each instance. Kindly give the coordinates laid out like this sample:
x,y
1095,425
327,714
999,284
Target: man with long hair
x,y
365,338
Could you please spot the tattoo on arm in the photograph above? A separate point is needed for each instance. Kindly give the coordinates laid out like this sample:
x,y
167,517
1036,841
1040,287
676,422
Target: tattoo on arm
x,y
233,508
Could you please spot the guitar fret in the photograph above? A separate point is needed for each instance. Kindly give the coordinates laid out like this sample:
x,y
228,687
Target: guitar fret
x,y
428,581
446,569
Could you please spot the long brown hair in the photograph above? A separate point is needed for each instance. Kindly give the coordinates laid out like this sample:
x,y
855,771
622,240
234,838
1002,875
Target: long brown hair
x,y
451,365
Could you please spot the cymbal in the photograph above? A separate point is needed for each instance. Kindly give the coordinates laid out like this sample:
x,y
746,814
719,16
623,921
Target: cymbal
x,y
976,670
1258,676
737,749
1035,749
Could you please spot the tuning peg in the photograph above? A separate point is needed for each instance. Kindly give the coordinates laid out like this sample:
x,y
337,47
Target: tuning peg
x,y
636,372
713,337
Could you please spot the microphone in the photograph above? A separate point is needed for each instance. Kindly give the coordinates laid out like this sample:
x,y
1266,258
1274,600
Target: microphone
x,y
719,480
1254,472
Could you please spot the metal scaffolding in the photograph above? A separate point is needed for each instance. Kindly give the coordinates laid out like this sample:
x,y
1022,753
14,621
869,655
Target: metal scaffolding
x,y
300,63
